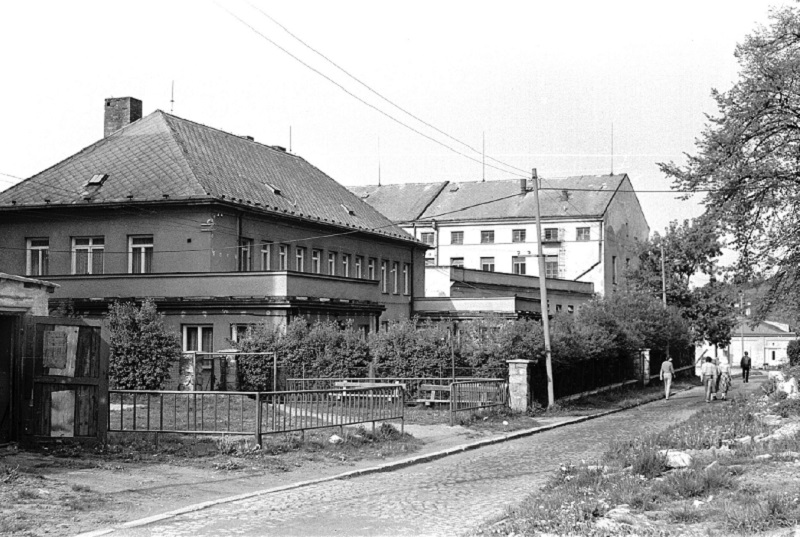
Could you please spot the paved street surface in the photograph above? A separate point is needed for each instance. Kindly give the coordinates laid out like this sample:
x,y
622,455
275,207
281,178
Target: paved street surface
x,y
444,497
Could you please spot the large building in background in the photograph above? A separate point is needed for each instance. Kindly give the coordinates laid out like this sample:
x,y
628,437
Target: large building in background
x,y
590,225
220,230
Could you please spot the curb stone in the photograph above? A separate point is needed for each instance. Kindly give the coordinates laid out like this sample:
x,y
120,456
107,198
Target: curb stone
x,y
386,467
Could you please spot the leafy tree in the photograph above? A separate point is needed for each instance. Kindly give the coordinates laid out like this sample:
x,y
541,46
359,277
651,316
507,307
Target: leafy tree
x,y
793,351
748,159
142,349
711,314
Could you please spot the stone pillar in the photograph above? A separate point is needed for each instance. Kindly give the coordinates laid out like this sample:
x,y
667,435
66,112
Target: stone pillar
x,y
645,366
520,390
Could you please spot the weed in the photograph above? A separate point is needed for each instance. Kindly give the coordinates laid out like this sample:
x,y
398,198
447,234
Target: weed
x,y
14,526
686,513
8,474
788,408
27,494
692,483
81,488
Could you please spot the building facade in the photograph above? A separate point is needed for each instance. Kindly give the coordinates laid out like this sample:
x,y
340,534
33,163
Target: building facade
x,y
590,225
219,230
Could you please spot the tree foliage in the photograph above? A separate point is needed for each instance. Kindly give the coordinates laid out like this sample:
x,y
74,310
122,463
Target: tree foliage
x,y
142,349
748,159
793,352
688,250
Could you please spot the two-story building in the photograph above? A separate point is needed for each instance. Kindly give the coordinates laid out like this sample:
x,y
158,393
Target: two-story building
x,y
220,230
590,225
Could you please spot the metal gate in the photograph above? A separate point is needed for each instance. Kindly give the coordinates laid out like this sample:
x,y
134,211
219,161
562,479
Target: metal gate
x,y
63,380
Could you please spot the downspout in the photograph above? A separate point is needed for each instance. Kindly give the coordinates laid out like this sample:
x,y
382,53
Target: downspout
x,y
436,234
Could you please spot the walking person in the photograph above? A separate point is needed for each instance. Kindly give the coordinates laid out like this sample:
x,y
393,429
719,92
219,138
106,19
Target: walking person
x,y
667,374
745,363
724,379
708,374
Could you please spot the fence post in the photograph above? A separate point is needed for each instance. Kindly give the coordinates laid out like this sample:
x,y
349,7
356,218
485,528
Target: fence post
x,y
452,405
645,371
520,390
258,418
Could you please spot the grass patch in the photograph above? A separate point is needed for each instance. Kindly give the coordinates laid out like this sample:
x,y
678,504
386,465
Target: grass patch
x,y
717,499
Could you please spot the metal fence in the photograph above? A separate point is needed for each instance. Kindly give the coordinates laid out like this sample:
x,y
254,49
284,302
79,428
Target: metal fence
x,y
246,413
475,395
411,384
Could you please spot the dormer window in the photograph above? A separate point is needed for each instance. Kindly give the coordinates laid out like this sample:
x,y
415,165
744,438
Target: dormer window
x,y
275,189
97,179
348,210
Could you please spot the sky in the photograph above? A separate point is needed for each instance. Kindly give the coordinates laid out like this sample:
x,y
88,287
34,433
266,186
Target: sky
x,y
529,84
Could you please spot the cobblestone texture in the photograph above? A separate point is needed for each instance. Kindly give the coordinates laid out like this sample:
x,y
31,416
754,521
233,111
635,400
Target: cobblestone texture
x,y
444,497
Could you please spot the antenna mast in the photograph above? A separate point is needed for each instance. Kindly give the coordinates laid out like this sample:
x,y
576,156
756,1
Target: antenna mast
x,y
290,138
172,98
379,161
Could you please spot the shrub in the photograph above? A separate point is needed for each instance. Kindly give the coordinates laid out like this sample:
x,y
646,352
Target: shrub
x,y
788,408
793,352
142,349
405,349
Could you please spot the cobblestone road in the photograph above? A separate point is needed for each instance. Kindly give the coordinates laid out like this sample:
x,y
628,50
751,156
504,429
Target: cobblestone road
x,y
444,497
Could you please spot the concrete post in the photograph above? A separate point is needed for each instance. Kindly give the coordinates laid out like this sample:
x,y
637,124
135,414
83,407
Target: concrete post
x,y
520,390
645,367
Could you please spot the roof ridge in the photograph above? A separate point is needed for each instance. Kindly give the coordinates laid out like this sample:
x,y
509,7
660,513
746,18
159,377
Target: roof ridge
x,y
175,135
237,136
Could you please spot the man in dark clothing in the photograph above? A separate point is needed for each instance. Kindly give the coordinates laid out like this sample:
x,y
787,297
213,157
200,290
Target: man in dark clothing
x,y
745,363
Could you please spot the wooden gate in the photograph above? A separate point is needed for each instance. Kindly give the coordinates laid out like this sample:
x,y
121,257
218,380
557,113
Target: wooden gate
x,y
63,380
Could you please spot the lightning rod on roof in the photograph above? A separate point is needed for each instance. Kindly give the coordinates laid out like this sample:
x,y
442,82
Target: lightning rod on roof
x,y
172,98
379,161
483,158
612,148
290,138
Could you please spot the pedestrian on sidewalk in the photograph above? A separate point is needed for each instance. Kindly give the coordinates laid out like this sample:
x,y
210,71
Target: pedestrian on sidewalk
x,y
708,374
724,379
745,363
667,373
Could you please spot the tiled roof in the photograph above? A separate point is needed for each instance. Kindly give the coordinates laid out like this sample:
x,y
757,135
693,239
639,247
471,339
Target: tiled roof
x,y
163,157
764,328
584,196
400,203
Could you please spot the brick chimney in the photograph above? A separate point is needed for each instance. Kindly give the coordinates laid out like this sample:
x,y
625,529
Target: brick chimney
x,y
121,111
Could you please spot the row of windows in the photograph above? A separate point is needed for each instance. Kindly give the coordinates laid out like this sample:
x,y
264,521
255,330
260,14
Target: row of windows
x,y
88,255
343,264
518,264
517,235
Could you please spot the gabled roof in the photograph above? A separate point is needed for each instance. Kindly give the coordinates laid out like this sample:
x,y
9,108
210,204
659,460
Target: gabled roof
x,y
165,158
764,328
400,203
582,196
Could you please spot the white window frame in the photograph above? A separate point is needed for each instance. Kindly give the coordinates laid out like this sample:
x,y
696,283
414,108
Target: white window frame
x,y
487,261
427,237
143,254
42,254
551,266
300,259
454,234
283,257
583,234
90,248
406,279
384,277
346,265
396,277
359,266
245,255
201,329
266,255
332,263
518,235
316,261
487,236
459,260
519,264
371,268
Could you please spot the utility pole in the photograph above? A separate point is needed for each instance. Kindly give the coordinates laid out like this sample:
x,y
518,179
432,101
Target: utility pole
x,y
664,285
741,326
548,355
